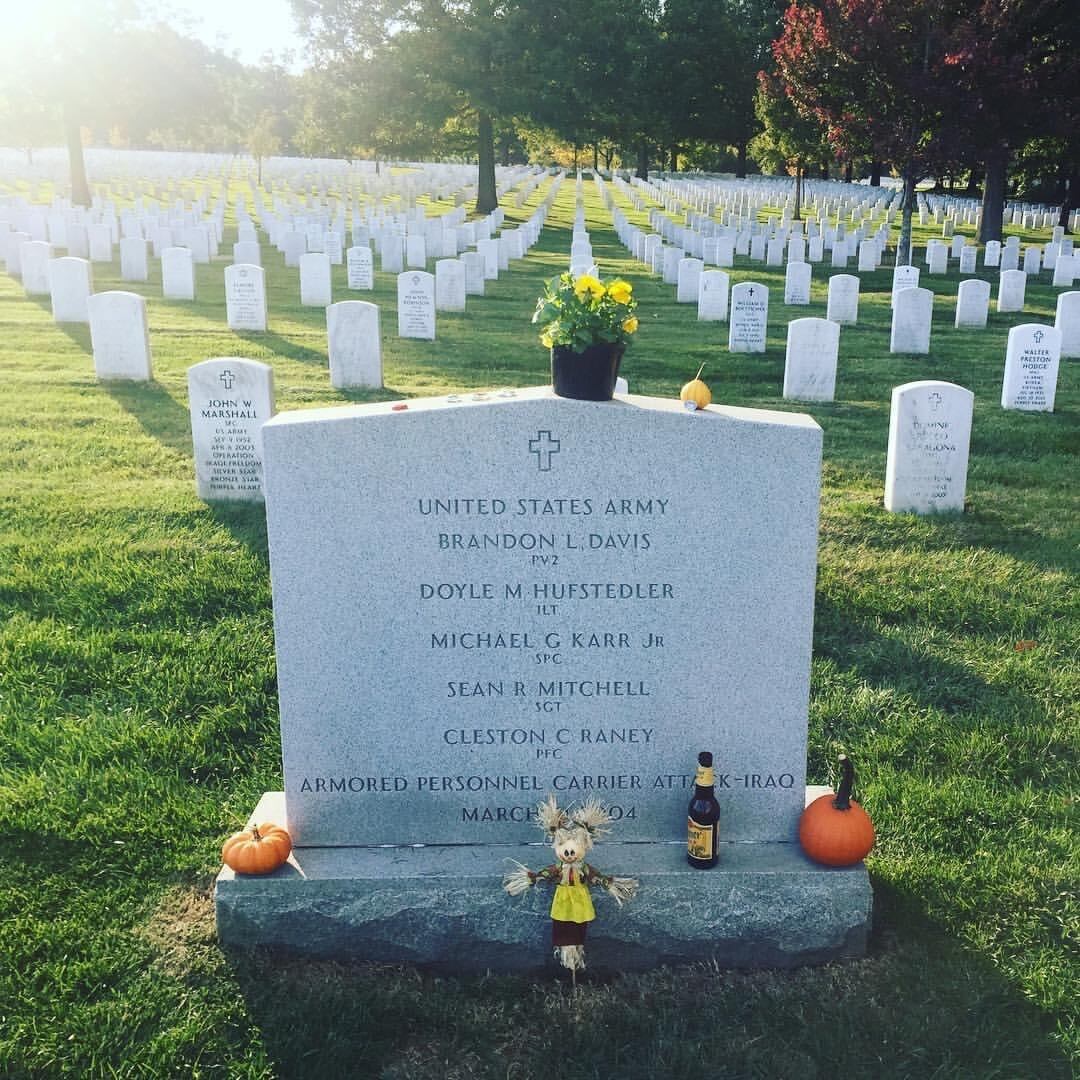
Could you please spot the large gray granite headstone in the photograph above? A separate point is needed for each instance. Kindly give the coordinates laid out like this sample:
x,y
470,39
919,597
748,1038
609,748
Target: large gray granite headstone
x,y
478,602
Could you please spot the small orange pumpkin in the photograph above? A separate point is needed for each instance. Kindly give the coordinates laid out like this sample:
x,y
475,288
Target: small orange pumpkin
x,y
257,850
836,830
695,393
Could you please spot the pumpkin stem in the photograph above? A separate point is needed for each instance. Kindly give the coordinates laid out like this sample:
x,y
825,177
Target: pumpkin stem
x,y
255,833
701,369
843,795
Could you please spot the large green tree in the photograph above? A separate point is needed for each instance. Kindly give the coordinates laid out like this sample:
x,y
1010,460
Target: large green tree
x,y
453,57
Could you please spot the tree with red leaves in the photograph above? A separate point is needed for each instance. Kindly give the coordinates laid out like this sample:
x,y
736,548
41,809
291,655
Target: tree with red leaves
x,y
872,71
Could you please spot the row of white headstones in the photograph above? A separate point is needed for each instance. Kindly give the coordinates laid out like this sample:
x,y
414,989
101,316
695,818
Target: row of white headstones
x,y
118,319
930,420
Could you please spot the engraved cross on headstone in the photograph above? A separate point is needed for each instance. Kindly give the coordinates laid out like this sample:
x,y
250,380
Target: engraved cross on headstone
x,y
544,446
227,378
1038,336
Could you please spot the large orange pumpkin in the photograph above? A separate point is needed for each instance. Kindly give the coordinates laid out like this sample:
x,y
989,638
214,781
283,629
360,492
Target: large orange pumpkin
x,y
257,850
834,829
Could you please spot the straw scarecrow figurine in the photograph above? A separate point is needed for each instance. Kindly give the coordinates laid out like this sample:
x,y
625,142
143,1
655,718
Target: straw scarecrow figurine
x,y
572,834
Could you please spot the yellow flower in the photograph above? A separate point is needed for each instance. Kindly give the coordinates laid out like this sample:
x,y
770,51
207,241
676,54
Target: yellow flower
x,y
620,291
587,285
630,325
545,340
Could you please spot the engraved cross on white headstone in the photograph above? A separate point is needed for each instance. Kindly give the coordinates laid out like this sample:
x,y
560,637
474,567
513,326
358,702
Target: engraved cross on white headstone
x,y
544,446
227,378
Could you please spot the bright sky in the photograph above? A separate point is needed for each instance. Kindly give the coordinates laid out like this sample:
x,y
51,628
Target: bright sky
x,y
248,28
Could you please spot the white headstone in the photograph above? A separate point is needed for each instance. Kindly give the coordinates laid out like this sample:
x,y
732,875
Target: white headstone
x,y
360,268
449,285
1012,285
294,243
99,238
245,297
134,263
992,253
177,274
843,302
392,254
119,336
929,437
1032,261
473,262
230,399
1031,368
797,283
810,363
355,345
1065,271
315,280
415,251
34,259
1067,323
247,251
70,284
967,258
913,312
904,277
972,303
713,296
489,249
689,276
416,305
748,326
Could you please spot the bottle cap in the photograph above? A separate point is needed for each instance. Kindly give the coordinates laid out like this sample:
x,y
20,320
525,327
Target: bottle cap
x,y
705,758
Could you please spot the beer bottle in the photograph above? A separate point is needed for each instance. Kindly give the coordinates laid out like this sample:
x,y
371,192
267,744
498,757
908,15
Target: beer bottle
x,y
703,817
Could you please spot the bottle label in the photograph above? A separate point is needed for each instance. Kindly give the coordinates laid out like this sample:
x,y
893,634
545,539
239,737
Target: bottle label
x,y
705,777
699,839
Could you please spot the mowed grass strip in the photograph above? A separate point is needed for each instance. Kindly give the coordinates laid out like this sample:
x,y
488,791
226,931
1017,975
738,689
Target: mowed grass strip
x,y
138,713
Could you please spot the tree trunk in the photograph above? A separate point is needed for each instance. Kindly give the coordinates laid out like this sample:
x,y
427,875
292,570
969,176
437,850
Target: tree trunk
x,y
903,248
575,155
80,189
1070,200
798,192
595,158
486,198
824,173
258,169
975,179
993,201
875,174
740,171
673,158
642,172
849,172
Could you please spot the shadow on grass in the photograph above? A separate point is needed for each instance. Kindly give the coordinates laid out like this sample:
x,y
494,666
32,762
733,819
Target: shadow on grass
x,y
918,1005
79,333
283,346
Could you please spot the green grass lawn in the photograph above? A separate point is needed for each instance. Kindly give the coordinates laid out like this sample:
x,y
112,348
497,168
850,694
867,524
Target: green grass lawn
x,y
138,715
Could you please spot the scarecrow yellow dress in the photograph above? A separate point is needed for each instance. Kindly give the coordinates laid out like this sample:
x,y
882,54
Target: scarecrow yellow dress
x,y
571,907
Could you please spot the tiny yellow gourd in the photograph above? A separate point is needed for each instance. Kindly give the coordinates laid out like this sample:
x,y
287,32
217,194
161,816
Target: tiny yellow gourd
x,y
696,391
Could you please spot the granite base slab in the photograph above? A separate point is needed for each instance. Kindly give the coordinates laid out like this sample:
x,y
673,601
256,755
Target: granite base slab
x,y
765,905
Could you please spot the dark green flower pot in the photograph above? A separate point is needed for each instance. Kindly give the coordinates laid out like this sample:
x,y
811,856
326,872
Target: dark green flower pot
x,y
588,375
